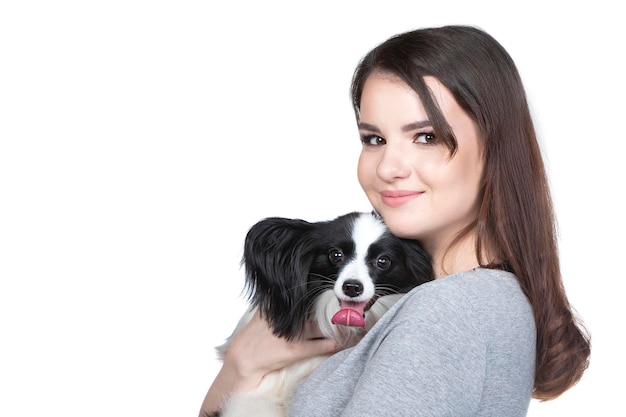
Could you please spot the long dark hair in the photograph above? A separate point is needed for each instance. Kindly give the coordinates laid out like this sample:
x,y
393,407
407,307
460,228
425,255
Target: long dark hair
x,y
515,227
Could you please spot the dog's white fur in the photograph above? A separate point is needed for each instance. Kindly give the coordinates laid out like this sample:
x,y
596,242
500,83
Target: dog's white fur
x,y
273,396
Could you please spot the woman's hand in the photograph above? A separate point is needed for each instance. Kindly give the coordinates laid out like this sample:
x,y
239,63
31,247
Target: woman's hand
x,y
256,351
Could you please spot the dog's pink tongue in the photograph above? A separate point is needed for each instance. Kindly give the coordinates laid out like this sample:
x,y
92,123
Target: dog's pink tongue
x,y
350,315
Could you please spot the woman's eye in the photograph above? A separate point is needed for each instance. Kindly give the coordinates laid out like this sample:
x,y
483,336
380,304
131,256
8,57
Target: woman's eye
x,y
426,137
335,256
372,140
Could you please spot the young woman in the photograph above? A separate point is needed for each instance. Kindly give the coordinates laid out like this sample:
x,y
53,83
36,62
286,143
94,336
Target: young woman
x,y
449,158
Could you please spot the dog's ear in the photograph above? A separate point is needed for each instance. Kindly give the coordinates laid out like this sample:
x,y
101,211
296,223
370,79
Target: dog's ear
x,y
277,258
418,261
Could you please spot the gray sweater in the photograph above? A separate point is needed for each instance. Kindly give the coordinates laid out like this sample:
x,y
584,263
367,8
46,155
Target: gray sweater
x,y
463,345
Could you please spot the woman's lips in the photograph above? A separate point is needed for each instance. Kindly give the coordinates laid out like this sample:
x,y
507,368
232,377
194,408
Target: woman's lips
x,y
399,197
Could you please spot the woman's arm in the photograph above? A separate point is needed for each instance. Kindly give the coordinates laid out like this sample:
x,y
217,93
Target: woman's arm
x,y
254,352
425,358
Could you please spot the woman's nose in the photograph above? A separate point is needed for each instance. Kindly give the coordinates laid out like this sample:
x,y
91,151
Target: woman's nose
x,y
392,165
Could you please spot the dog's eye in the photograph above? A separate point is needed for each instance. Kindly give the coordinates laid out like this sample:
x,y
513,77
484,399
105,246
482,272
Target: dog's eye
x,y
383,262
335,256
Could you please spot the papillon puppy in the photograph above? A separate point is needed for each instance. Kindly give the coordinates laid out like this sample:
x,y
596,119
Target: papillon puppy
x,y
343,274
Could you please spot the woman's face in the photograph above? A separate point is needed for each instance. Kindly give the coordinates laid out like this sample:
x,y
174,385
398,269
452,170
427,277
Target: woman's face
x,y
407,173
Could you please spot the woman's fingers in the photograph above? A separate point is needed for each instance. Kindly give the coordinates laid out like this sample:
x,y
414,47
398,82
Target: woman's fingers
x,y
256,350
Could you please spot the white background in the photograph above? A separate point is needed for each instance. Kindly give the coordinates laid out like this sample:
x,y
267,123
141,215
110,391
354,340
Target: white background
x,y
141,139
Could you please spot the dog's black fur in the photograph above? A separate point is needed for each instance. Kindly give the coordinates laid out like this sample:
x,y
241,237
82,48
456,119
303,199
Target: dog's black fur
x,y
297,271
287,265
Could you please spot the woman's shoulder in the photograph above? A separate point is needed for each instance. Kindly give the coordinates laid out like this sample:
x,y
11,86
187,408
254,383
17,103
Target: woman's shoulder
x,y
479,284
480,297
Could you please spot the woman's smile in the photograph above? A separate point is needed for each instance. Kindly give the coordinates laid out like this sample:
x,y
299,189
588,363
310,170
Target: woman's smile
x,y
398,198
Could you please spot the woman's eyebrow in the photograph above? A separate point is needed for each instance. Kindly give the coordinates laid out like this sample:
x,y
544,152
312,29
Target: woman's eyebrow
x,y
406,128
416,125
369,127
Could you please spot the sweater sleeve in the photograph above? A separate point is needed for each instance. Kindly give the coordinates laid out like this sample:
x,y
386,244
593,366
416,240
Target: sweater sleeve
x,y
429,360
462,345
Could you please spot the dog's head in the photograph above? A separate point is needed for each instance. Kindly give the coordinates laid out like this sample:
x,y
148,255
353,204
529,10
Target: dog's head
x,y
291,263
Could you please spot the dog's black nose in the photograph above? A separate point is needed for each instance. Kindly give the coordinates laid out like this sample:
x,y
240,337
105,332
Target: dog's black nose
x,y
352,288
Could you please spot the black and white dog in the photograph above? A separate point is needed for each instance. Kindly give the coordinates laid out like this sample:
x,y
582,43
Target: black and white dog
x,y
344,274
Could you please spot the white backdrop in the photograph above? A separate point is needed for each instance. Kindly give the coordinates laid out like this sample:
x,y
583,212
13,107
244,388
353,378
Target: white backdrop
x,y
139,140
